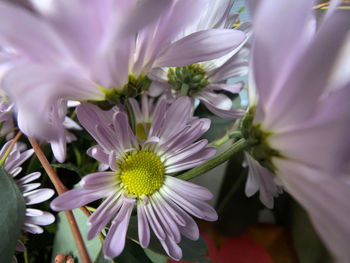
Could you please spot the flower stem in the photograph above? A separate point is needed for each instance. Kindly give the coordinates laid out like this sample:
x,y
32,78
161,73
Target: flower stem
x,y
217,160
60,188
227,136
18,135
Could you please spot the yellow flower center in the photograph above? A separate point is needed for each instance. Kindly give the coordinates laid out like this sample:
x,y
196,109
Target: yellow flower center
x,y
142,173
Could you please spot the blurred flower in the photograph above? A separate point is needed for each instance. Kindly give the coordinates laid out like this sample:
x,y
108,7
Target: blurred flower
x,y
56,115
205,80
33,218
142,175
298,121
89,51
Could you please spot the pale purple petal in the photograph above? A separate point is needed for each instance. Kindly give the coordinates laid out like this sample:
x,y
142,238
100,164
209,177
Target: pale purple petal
x,y
115,239
38,196
186,152
32,228
272,59
325,198
233,88
236,68
33,37
176,117
311,144
96,181
302,84
192,161
76,198
29,178
175,215
166,221
42,220
153,221
200,46
104,214
167,193
98,153
28,187
171,248
143,228
20,246
188,189
220,101
262,180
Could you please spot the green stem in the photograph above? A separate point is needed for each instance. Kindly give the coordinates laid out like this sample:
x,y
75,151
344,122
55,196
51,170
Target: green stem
x,y
217,160
184,89
229,135
25,255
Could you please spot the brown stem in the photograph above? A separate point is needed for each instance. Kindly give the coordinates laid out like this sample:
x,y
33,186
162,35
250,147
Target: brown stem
x,y
60,188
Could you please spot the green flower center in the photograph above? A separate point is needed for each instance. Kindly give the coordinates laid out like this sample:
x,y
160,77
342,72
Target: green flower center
x,y
188,80
142,173
115,96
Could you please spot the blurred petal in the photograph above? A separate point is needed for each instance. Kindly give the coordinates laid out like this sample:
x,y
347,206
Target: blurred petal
x,y
325,198
200,46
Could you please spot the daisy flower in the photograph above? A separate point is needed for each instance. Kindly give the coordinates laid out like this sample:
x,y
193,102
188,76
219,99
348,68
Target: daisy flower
x,y
97,50
299,121
34,218
205,80
141,175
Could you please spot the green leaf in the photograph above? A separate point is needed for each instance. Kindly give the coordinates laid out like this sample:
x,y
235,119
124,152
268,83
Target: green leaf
x,y
308,245
155,257
11,216
70,167
132,252
64,241
236,211
101,259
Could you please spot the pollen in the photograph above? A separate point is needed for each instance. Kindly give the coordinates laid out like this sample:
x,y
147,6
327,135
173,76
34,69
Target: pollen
x,y
142,173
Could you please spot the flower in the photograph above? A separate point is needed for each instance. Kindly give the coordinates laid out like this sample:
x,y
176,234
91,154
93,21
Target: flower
x,y
33,218
298,121
141,175
97,51
206,79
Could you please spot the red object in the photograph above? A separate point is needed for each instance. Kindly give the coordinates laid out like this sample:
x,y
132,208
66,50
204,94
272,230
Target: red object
x,y
236,250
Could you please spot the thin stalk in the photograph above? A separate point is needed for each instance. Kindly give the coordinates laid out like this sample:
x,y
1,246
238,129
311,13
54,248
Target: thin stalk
x,y
227,136
60,188
18,135
25,255
217,160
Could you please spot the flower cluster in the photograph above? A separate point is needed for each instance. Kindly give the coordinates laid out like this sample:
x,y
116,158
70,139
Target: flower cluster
x,y
133,74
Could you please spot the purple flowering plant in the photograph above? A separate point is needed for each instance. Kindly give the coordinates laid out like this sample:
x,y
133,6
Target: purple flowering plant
x,y
120,110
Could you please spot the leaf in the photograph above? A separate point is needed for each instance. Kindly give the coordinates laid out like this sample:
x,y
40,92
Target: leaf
x,y
308,245
11,217
155,257
101,259
132,252
236,211
191,250
70,167
64,241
